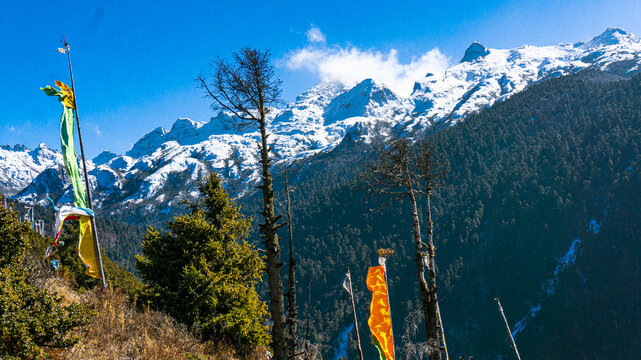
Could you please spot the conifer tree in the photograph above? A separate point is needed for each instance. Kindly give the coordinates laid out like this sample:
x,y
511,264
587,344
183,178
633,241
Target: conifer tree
x,y
247,87
31,318
204,273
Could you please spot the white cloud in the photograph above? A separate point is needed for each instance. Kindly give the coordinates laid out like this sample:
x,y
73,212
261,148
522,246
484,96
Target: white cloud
x,y
315,35
95,128
352,65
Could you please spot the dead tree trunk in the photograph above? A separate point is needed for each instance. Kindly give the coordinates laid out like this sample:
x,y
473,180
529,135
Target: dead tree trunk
x,y
269,233
432,172
427,296
432,322
291,291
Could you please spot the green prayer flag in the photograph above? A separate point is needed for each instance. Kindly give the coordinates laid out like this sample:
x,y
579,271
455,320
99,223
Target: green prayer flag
x,y
86,247
67,123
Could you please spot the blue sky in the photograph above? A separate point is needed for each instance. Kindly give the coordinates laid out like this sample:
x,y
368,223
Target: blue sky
x,y
135,61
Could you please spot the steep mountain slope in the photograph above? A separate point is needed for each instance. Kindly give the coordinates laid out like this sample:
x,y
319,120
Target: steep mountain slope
x,y
541,210
19,165
162,167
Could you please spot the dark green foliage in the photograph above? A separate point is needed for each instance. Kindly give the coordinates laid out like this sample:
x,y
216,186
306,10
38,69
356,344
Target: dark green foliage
x,y
204,273
30,317
528,176
13,244
120,240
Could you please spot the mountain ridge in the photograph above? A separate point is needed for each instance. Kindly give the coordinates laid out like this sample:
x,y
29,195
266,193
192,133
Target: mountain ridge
x,y
316,122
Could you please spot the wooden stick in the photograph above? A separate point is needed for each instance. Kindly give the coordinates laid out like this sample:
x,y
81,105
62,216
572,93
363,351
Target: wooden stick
x,y
507,326
351,295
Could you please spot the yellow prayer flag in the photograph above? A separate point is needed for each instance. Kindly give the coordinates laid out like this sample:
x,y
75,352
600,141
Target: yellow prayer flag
x,y
86,250
70,99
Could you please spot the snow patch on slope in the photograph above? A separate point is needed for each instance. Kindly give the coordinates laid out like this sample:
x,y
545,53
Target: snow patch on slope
x,y
550,285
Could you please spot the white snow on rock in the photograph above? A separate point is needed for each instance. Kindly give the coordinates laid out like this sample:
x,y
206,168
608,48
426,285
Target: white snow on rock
x,y
171,161
19,165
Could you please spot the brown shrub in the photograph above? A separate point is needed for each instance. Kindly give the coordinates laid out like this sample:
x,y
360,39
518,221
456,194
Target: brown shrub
x,y
120,331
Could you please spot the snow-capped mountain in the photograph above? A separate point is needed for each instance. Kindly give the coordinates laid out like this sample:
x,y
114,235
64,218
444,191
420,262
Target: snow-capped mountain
x,y
485,76
162,167
19,165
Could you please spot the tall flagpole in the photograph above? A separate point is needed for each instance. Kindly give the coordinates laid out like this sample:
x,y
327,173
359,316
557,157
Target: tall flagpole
x,y
383,254
96,244
351,295
516,351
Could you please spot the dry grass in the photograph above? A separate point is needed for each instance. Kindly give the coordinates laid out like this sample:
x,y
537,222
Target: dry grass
x,y
119,331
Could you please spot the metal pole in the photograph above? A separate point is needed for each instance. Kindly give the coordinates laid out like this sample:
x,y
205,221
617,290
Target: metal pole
x,y
351,295
516,351
96,244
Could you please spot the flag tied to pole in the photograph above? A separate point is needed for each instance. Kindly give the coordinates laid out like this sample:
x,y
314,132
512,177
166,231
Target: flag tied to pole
x,y
380,320
80,211
347,283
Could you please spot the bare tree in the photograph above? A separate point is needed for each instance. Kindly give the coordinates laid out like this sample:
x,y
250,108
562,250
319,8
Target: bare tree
x,y
292,309
247,86
410,349
397,173
431,171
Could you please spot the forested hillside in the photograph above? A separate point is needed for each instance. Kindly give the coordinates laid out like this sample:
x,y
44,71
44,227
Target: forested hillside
x,y
541,210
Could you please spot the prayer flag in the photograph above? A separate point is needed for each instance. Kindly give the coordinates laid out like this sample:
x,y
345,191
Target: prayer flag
x,y
380,320
346,283
86,249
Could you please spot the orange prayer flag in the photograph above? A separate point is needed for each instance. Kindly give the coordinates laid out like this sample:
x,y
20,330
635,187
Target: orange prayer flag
x,y
380,320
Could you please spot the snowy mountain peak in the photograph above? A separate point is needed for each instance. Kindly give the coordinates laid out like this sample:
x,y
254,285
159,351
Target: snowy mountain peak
x,y
222,123
104,157
475,51
147,142
611,36
20,165
361,100
16,147
185,125
321,94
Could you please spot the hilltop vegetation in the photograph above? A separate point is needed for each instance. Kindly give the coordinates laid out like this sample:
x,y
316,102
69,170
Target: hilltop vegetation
x,y
58,314
541,210
553,164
